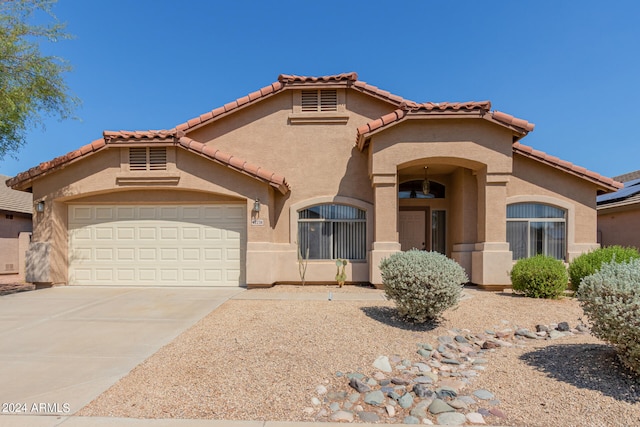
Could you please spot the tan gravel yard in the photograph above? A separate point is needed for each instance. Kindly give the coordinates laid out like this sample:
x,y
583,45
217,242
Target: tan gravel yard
x,y
263,359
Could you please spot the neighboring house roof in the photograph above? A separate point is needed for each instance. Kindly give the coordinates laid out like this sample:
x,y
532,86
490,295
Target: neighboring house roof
x,y
626,177
630,194
162,136
14,201
405,109
607,183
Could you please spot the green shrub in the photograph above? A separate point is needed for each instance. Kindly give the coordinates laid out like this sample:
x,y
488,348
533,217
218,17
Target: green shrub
x,y
540,276
611,299
422,284
590,262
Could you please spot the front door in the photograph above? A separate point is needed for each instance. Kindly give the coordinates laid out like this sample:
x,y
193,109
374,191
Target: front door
x,y
417,232
413,227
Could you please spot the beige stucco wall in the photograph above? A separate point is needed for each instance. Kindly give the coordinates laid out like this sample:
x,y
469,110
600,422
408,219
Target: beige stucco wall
x,y
533,181
619,226
322,165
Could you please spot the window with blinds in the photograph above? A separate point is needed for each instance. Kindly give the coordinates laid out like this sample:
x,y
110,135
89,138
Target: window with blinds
x,y
148,158
332,231
319,100
536,229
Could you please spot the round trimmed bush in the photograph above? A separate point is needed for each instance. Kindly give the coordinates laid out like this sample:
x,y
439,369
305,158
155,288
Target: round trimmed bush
x,y
611,299
422,284
540,276
590,262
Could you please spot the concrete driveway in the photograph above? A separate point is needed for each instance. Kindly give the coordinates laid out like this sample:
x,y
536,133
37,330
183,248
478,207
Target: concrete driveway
x,y
62,347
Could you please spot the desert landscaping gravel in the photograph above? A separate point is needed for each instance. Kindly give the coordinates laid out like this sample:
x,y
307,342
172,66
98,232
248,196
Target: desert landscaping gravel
x,y
269,359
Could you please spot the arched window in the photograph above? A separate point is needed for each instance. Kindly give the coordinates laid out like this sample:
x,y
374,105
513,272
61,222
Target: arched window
x,y
535,228
414,190
332,231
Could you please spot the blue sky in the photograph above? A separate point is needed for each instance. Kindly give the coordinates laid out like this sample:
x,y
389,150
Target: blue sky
x,y
571,68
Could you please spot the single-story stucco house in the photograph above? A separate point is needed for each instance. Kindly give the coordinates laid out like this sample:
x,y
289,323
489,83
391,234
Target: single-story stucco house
x,y
619,213
323,167
15,228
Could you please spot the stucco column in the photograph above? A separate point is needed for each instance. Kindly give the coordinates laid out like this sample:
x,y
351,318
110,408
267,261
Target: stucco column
x,y
385,237
492,259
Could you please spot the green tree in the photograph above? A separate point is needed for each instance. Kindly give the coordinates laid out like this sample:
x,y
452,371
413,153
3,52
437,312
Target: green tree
x,y
31,83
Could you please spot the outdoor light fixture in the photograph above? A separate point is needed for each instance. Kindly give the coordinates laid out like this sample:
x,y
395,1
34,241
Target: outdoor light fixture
x,y
426,188
256,205
40,206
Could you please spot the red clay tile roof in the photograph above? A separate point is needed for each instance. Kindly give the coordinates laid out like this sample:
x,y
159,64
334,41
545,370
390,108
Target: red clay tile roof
x,y
285,81
480,108
171,136
212,153
608,183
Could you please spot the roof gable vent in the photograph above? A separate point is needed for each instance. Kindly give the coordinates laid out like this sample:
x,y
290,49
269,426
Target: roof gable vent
x,y
319,100
147,158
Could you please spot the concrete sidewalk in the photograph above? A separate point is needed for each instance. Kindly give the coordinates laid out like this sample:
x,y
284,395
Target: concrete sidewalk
x,y
62,347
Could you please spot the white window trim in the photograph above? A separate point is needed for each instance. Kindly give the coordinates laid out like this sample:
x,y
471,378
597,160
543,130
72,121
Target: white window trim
x,y
323,200
568,207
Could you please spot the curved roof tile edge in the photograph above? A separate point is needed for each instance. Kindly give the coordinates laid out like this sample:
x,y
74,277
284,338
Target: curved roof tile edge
x,y
283,81
527,151
234,162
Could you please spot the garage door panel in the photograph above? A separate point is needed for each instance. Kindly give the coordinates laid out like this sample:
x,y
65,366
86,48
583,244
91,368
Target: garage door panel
x,y
157,245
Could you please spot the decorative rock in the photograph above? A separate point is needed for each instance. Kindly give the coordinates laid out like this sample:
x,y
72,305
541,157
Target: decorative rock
x,y
450,361
458,404
439,406
461,339
424,353
405,401
371,382
446,339
356,375
315,401
410,420
422,391
379,376
563,327
336,395
490,344
359,386
484,412
451,419
541,328
342,416
321,390
554,335
391,411
386,390
399,381
358,408
423,367
423,380
375,398
446,392
483,394
467,399
393,395
368,417
419,411
335,407
475,418
497,412
582,328
426,346
354,397
308,410
383,364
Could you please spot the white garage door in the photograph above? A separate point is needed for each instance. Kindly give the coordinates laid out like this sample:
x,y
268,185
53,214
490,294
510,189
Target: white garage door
x,y
168,245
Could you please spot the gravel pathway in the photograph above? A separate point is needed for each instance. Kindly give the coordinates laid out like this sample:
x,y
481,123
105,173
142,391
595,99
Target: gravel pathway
x,y
265,360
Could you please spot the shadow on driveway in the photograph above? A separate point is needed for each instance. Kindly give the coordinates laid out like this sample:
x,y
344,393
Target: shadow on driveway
x,y
589,366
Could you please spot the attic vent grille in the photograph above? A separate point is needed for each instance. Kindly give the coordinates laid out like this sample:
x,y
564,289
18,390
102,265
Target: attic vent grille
x,y
319,100
147,158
